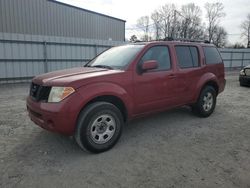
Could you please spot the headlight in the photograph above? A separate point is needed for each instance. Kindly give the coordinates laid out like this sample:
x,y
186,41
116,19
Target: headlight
x,y
242,73
57,94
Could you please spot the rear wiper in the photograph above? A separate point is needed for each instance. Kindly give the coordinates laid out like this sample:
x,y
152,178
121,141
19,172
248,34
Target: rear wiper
x,y
102,66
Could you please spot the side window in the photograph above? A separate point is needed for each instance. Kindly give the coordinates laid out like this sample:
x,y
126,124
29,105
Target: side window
x,y
195,56
212,55
161,55
187,56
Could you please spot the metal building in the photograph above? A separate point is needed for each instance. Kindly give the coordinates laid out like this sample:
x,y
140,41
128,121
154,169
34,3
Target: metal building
x,y
38,36
53,18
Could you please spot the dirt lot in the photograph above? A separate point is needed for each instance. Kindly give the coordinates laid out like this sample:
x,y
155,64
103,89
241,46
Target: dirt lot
x,y
171,149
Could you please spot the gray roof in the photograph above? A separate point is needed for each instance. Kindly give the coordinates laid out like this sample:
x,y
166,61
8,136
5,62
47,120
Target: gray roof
x,y
86,10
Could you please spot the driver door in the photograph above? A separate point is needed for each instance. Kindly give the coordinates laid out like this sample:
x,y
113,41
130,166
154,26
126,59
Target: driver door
x,y
152,89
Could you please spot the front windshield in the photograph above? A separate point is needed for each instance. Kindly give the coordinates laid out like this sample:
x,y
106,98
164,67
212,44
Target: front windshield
x,y
116,57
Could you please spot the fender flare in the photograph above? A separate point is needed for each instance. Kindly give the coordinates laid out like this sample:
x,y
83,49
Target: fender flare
x,y
95,90
206,78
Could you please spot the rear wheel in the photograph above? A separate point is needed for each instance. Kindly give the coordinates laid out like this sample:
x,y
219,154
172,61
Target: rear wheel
x,y
206,102
99,127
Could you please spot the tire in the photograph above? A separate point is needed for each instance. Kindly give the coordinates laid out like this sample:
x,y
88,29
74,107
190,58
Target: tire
x,y
206,102
99,127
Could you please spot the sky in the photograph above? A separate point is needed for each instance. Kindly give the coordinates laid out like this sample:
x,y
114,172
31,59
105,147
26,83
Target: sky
x,y
130,10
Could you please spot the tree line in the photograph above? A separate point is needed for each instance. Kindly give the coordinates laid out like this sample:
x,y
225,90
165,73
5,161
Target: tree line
x,y
168,21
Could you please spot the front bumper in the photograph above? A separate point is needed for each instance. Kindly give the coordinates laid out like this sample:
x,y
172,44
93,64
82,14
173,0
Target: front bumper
x,y
56,117
244,80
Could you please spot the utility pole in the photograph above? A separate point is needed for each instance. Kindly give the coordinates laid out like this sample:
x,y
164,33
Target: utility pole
x,y
174,25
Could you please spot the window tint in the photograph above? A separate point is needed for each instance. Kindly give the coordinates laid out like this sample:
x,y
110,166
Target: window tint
x,y
160,54
212,55
187,56
195,56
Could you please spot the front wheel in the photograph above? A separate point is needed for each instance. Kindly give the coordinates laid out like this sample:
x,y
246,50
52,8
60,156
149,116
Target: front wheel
x,y
206,102
99,127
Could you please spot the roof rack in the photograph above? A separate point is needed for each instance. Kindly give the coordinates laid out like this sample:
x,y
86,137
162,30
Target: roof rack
x,y
184,40
176,39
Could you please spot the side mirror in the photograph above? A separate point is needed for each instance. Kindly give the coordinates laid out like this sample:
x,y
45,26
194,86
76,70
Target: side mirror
x,y
149,65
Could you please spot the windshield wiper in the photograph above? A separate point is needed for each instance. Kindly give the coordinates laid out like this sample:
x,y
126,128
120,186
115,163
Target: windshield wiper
x,y
102,66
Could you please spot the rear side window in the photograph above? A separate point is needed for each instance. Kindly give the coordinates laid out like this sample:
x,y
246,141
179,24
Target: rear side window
x,y
161,55
212,55
195,56
187,56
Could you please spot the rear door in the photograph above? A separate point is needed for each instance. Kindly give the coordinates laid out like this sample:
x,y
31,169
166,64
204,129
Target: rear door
x,y
188,71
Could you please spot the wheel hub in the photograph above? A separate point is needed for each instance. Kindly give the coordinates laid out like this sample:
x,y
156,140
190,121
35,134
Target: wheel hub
x,y
102,129
208,102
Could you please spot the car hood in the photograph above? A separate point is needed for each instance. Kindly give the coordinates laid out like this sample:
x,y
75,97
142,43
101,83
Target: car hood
x,y
71,77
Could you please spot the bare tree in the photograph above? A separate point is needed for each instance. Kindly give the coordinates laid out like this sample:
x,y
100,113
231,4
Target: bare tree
x,y
156,17
220,37
143,24
214,14
245,26
168,22
191,26
185,23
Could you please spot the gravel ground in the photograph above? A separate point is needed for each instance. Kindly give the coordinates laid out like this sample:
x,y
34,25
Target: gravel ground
x,y
170,149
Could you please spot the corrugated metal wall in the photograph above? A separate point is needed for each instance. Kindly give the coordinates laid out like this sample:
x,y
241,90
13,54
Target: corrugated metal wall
x,y
24,56
50,18
235,58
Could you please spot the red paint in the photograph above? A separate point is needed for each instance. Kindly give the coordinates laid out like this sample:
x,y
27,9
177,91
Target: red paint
x,y
141,93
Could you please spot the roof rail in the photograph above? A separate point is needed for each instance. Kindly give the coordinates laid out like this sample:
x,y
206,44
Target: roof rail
x,y
184,40
175,39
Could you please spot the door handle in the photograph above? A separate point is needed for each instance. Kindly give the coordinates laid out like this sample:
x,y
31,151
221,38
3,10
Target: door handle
x,y
172,76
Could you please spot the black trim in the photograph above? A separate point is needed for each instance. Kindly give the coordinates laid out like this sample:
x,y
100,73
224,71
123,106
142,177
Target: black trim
x,y
82,9
39,93
17,78
34,113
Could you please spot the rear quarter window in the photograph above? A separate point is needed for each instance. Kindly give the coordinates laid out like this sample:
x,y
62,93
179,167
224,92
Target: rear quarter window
x,y
212,55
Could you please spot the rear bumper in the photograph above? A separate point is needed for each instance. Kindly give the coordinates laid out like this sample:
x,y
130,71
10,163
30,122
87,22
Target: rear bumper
x,y
55,117
244,80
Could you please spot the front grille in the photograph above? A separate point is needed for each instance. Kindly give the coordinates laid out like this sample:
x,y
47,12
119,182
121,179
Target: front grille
x,y
39,93
247,71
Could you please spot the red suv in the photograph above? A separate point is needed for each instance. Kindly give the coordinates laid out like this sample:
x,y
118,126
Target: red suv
x,y
93,102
